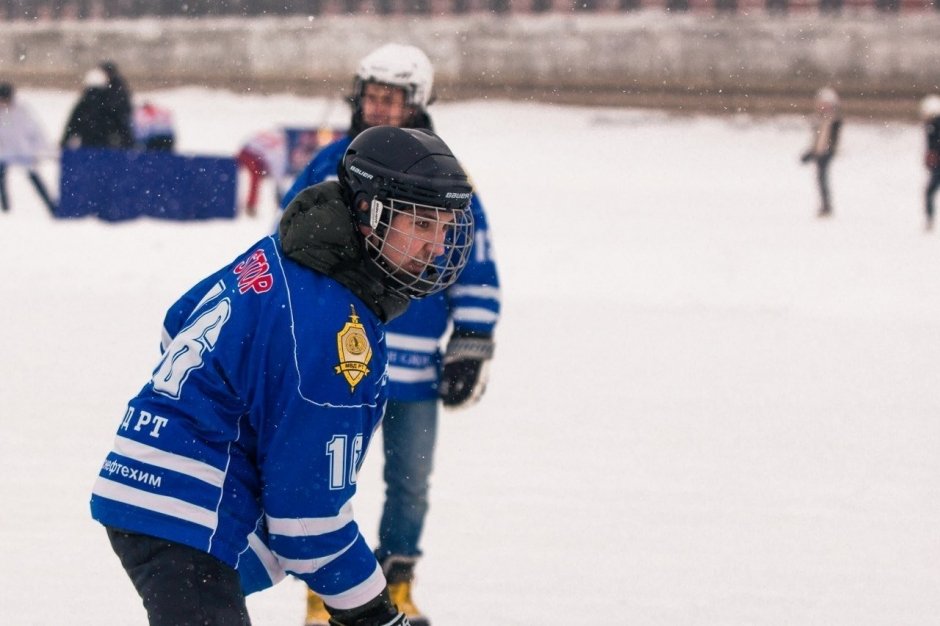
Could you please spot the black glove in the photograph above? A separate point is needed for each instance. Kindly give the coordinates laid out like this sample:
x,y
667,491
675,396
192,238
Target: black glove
x,y
379,611
466,368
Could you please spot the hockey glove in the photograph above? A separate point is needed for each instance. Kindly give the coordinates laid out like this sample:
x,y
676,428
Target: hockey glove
x,y
377,612
466,369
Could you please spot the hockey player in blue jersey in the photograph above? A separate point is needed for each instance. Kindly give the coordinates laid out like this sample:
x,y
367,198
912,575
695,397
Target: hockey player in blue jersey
x,y
237,460
393,87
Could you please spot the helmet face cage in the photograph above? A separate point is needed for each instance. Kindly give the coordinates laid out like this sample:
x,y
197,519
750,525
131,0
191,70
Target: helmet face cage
x,y
421,248
412,200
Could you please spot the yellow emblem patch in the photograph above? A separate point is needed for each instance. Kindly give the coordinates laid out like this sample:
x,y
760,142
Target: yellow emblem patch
x,y
354,351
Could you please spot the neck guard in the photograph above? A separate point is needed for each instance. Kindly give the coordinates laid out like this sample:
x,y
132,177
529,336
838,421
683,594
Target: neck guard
x,y
319,231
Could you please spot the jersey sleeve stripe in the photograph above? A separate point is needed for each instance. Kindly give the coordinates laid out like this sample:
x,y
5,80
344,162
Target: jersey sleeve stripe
x,y
475,314
474,291
267,558
412,375
396,341
167,460
309,566
360,594
310,526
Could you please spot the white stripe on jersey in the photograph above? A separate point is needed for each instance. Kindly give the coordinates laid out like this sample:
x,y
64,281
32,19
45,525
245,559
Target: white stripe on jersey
x,y
167,460
174,507
474,314
409,342
474,291
360,594
411,375
309,526
267,558
309,566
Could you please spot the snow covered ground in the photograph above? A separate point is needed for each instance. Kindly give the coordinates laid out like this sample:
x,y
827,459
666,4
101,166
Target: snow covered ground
x,y
707,406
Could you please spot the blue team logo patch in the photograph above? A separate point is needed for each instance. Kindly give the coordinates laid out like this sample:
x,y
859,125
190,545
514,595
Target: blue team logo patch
x,y
352,343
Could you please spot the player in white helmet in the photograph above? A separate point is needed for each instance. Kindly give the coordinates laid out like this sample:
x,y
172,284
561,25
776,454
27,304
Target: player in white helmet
x,y
393,86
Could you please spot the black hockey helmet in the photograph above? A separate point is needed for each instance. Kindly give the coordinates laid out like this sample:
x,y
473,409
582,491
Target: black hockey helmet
x,y
389,172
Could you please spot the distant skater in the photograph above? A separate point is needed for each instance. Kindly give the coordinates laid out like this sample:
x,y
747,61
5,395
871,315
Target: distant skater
x,y
930,114
826,125
22,143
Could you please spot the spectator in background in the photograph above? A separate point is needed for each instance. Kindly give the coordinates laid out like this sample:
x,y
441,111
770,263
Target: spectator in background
x,y
153,127
263,155
930,114
826,126
102,116
119,93
22,142
393,88
278,154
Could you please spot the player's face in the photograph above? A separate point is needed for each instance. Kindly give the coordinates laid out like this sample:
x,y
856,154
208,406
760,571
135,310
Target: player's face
x,y
415,238
384,105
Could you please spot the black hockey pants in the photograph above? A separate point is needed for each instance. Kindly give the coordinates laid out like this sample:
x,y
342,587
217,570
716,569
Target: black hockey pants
x,y
180,586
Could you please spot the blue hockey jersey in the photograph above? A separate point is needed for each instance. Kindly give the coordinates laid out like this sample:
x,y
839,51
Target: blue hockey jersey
x,y
247,440
472,304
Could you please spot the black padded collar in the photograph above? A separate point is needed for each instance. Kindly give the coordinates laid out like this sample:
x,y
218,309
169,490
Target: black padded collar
x,y
319,231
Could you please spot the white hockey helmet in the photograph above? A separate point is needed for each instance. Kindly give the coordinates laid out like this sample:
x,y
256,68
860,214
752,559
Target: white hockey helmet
x,y
930,107
827,95
96,78
400,66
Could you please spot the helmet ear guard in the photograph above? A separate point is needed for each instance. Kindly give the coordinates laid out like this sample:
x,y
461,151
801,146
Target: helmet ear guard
x,y
375,213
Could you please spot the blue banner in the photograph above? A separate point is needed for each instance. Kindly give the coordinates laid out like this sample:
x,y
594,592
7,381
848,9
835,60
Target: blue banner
x,y
118,185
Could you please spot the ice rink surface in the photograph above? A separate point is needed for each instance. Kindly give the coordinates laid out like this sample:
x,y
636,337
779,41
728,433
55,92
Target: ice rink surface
x,y
707,406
